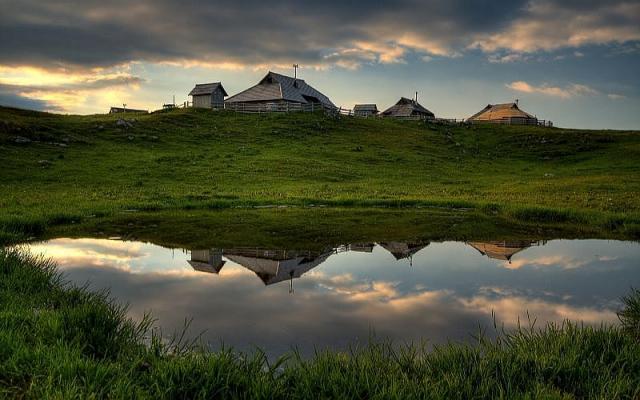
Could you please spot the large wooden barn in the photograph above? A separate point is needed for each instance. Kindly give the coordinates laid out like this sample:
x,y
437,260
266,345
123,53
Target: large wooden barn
x,y
276,91
407,108
208,95
507,113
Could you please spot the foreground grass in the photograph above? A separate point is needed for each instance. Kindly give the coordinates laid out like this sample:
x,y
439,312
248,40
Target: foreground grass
x,y
74,167
58,341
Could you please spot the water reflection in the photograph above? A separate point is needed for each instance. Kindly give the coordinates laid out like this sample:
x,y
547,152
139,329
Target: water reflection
x,y
445,292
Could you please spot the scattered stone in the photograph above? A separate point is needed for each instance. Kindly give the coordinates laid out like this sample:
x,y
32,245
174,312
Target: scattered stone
x,y
101,127
548,175
122,123
130,137
44,163
154,138
22,139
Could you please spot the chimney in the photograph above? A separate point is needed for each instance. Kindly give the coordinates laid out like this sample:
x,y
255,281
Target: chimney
x,y
416,99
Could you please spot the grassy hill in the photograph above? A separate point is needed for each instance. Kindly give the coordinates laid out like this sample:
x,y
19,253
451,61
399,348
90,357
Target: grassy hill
x,y
56,168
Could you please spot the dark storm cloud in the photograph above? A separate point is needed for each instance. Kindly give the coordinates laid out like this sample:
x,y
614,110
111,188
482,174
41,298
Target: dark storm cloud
x,y
92,33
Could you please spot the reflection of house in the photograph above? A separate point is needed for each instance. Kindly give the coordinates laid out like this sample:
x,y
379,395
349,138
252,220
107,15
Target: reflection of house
x,y
401,250
407,108
207,260
362,247
276,89
274,266
365,110
507,113
502,250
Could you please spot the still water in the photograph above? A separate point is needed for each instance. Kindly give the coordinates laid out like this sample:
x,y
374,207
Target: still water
x,y
277,299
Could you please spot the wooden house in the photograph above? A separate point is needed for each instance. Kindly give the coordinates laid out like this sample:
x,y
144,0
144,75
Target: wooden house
x,y
275,90
365,110
507,113
408,108
208,95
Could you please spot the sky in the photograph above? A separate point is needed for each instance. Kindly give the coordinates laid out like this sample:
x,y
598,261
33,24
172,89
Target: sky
x,y
574,62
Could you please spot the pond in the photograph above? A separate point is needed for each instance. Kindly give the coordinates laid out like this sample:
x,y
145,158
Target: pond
x,y
277,299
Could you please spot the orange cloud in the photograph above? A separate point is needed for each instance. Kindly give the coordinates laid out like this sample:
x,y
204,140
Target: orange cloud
x,y
555,91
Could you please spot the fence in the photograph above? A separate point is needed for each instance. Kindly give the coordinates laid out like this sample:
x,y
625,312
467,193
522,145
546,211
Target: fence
x,y
515,121
274,107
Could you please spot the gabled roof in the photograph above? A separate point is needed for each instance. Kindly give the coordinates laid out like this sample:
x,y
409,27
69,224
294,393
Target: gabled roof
x,y
274,87
500,111
365,108
407,108
207,88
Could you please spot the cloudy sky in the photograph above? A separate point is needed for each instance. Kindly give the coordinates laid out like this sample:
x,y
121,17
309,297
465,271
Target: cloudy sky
x,y
574,62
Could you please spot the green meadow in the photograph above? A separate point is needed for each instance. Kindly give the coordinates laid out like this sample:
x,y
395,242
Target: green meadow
x,y
59,169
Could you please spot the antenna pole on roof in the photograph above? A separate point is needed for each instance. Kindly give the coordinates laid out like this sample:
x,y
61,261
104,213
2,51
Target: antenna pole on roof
x,y
517,100
295,71
416,97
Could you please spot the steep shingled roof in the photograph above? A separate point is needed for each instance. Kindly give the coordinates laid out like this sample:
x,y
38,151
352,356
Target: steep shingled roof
x,y
494,112
274,87
407,108
206,88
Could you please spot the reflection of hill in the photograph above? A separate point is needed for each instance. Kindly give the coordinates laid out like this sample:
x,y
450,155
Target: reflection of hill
x,y
502,250
402,250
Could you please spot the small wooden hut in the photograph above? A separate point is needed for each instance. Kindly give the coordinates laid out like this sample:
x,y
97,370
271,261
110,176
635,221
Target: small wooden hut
x,y
208,95
507,113
365,110
408,108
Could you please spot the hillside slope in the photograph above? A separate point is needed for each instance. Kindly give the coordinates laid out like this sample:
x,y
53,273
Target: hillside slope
x,y
54,164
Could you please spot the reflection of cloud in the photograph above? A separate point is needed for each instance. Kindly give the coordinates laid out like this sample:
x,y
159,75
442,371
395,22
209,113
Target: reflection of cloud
x,y
339,303
511,309
547,261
